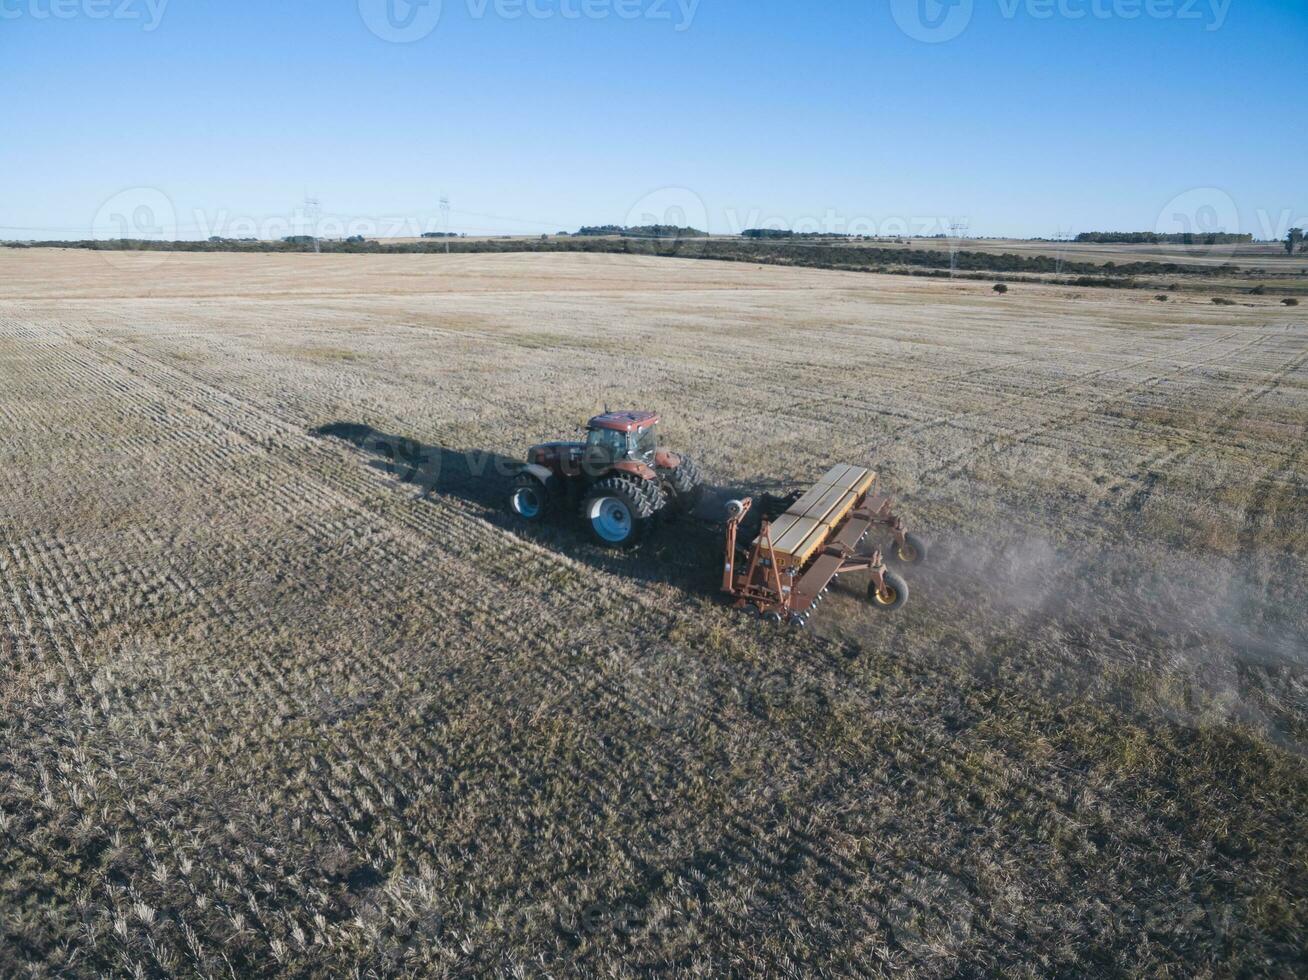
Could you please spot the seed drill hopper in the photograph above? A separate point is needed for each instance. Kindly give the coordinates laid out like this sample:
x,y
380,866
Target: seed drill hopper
x,y
784,573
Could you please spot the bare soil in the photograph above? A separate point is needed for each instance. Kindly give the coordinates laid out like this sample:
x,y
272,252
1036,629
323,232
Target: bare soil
x,y
284,689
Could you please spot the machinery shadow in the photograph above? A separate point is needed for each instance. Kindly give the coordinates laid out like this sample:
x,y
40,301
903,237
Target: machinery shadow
x,y
474,476
683,550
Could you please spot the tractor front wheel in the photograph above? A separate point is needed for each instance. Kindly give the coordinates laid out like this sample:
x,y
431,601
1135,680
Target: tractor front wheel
x,y
530,498
619,512
892,595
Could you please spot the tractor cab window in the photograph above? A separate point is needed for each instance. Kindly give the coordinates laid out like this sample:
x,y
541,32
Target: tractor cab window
x,y
606,444
644,443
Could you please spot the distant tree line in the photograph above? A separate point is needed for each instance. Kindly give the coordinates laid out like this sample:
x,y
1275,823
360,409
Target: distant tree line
x,y
1154,238
641,231
843,255
779,234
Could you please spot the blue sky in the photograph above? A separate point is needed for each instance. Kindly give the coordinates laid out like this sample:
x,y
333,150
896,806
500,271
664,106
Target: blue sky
x,y
1040,116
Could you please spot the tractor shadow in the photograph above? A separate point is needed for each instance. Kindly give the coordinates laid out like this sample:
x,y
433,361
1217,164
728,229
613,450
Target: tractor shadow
x,y
683,550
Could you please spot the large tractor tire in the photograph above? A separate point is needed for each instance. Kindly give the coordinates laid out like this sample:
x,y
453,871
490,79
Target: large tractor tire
x,y
684,483
619,511
530,499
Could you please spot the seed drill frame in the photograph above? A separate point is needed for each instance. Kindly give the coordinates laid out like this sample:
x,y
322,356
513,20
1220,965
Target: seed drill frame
x,y
796,557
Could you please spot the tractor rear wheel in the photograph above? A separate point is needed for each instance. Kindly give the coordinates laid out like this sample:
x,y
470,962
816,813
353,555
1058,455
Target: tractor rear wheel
x,y
892,596
530,499
685,483
619,512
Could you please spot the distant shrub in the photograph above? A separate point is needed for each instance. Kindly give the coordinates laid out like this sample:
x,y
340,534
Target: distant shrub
x,y
1258,291
1223,301
1161,297
1290,301
1118,283
1000,288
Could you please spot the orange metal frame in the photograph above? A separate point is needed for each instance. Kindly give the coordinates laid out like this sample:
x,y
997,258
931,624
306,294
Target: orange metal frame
x,y
786,590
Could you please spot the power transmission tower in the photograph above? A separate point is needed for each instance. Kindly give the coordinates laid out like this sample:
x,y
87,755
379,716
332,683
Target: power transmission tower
x,y
445,213
1061,237
956,227
312,214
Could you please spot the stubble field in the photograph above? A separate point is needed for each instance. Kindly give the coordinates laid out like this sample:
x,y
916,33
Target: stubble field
x,y
283,689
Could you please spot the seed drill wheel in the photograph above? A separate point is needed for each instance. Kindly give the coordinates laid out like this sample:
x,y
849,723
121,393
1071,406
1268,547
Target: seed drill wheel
x,y
530,498
892,595
912,552
619,511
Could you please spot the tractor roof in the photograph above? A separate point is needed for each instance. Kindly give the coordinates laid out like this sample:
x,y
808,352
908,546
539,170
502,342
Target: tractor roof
x,y
624,421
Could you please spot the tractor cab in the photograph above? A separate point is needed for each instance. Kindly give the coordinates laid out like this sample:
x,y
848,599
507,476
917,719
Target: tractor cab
x,y
615,436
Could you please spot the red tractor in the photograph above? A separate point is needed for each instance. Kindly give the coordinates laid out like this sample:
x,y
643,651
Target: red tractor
x,y
619,477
